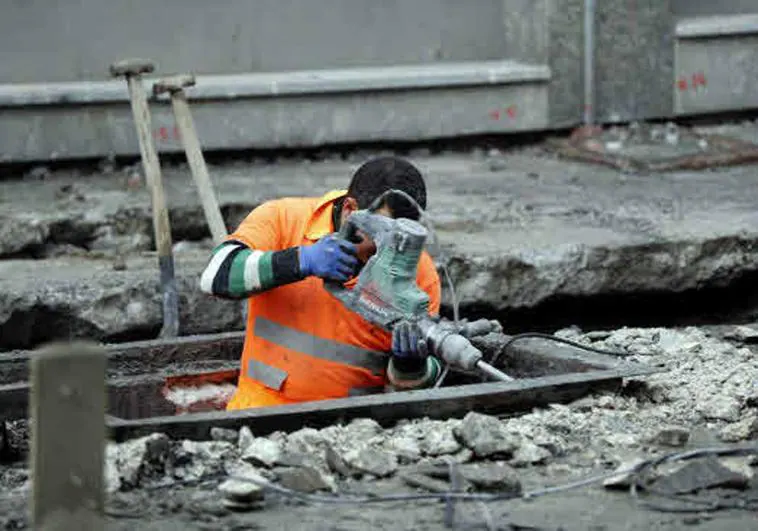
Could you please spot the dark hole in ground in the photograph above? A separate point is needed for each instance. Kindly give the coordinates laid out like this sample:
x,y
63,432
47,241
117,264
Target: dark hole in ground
x,y
734,304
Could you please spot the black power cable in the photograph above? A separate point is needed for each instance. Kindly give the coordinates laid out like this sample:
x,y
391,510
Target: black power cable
x,y
555,339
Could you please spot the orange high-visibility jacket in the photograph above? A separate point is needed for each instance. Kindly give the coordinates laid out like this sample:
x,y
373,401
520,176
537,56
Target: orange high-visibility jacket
x,y
301,343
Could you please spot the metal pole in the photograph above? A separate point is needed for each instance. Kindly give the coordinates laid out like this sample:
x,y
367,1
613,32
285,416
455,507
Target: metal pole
x,y
589,62
492,371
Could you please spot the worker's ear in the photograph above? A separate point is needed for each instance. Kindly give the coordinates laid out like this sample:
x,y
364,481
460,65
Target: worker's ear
x,y
349,206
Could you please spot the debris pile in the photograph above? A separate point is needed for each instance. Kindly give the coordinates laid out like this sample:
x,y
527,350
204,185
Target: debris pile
x,y
706,395
709,386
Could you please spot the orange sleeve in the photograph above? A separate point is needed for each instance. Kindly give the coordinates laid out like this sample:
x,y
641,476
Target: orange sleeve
x,y
262,228
429,281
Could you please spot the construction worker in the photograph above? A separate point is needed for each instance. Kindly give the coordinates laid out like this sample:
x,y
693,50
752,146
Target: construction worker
x,y
302,344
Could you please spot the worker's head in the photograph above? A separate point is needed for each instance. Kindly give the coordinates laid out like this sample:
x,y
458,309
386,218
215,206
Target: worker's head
x,y
373,179
377,176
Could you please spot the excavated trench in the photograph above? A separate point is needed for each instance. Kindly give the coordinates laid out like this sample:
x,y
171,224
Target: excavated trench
x,y
735,303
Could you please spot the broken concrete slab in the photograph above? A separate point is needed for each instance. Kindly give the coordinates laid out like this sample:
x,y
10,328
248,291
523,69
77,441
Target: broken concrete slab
x,y
42,300
570,232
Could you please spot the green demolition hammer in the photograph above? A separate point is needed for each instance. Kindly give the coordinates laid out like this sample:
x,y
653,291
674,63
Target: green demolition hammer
x,y
386,292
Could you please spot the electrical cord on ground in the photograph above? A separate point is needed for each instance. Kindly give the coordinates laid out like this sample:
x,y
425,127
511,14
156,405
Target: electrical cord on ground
x,y
556,339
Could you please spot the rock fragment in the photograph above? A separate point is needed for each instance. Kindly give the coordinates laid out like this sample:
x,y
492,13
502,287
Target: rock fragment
x,y
745,429
496,476
698,475
361,431
406,448
485,435
675,437
245,438
244,491
745,334
372,460
725,408
529,453
306,479
262,451
439,439
336,463
197,459
224,434
141,459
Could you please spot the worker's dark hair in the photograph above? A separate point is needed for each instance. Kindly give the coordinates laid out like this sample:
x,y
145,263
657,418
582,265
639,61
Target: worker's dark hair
x,y
380,174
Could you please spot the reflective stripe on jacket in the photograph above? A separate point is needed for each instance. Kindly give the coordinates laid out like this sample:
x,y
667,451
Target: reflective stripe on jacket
x,y
302,344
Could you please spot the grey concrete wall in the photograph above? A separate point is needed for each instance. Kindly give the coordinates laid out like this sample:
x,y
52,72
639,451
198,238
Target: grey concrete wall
x,y
634,58
71,40
696,8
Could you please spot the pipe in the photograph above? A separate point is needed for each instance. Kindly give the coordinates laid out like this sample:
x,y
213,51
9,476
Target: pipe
x,y
589,62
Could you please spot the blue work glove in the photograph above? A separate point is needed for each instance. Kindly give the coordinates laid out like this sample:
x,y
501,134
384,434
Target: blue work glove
x,y
407,343
330,258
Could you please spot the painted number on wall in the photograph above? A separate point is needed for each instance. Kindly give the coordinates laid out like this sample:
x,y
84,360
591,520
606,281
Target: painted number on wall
x,y
509,113
166,133
693,82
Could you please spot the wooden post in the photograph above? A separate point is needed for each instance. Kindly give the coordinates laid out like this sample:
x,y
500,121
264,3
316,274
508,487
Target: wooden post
x,y
67,414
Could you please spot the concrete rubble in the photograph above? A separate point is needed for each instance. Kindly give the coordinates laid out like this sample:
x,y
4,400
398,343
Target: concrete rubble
x,y
705,396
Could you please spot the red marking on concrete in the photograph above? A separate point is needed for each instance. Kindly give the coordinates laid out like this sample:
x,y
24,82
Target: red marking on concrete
x,y
164,133
698,80
511,112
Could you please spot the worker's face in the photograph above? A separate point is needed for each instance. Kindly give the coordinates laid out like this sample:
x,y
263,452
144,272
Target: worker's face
x,y
367,247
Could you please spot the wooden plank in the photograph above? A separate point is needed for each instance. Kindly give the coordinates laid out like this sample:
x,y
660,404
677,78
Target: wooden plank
x,y
67,408
440,403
